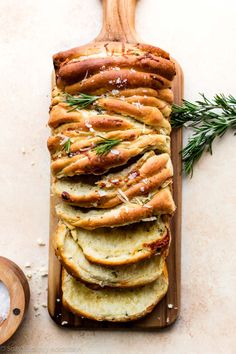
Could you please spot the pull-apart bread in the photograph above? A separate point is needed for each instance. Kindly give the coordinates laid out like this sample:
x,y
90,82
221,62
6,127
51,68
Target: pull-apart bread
x,y
112,177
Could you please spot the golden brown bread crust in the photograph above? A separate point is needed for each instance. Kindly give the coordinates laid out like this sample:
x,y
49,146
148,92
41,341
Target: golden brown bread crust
x,y
148,115
112,79
140,179
78,70
108,48
163,94
59,115
140,101
119,112
82,162
85,142
151,67
161,203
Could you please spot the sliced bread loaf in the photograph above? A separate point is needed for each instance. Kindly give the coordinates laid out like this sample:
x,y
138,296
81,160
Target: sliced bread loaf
x,y
74,261
109,304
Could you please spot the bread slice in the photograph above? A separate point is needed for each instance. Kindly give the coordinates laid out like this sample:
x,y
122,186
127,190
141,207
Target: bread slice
x,y
109,304
141,178
161,203
89,162
123,245
74,261
78,63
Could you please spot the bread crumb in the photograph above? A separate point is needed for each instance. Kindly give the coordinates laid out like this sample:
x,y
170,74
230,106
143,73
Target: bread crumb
x,y
170,306
27,265
36,308
23,151
32,163
29,275
43,272
40,242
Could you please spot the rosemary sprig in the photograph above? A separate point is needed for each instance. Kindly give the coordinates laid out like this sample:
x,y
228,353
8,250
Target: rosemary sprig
x,y
104,146
67,145
79,102
209,119
190,114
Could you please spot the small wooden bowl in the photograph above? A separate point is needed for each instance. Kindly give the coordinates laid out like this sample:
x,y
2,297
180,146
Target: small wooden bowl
x,y
15,281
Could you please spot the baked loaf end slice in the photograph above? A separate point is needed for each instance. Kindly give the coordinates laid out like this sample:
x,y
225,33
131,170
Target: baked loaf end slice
x,y
74,261
115,305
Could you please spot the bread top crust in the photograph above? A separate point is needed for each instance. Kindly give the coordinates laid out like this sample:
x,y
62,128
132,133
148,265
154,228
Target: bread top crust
x,y
102,64
107,49
91,163
76,70
142,178
161,203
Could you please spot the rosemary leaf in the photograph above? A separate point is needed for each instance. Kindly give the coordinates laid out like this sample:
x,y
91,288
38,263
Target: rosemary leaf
x,y
67,145
104,146
209,119
79,102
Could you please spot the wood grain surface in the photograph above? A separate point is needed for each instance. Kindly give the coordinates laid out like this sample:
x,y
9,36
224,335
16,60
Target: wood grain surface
x,y
118,25
15,281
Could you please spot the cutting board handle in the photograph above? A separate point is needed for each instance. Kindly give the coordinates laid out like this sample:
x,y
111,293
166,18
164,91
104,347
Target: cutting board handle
x,y
118,21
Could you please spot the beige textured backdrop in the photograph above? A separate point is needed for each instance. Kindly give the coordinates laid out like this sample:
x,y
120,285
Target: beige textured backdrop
x,y
201,35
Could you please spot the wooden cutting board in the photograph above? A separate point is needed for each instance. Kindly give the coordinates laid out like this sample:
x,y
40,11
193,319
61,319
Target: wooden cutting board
x,y
118,25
